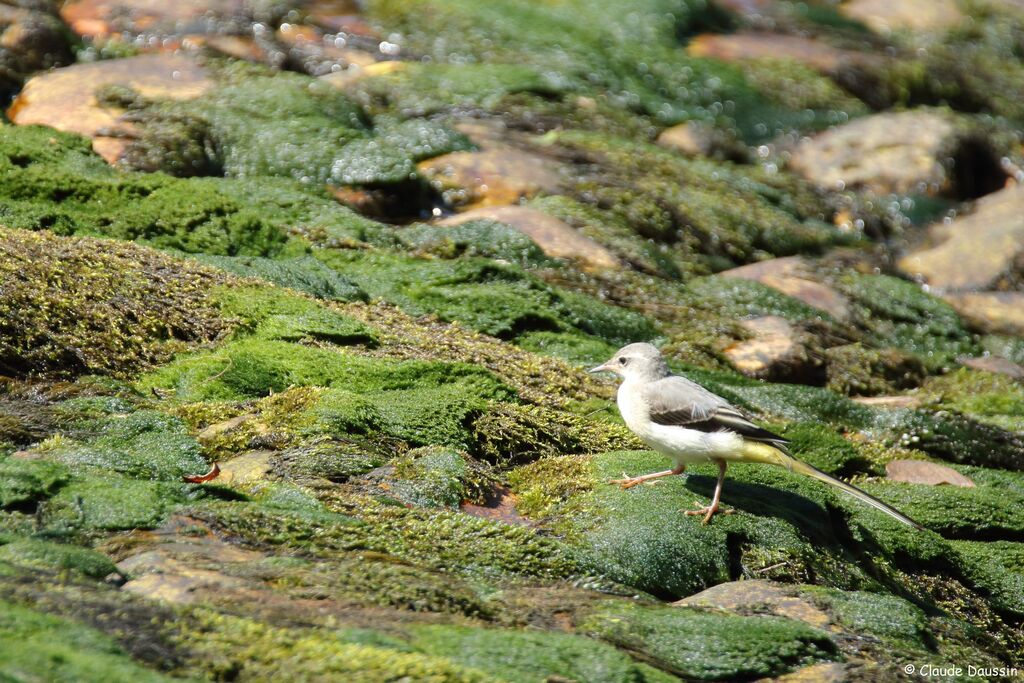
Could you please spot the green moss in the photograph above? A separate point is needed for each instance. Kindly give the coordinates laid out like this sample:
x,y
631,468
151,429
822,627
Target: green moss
x,y
361,579
34,646
738,298
74,306
710,646
987,397
641,537
824,448
510,434
330,139
500,300
544,484
144,444
582,47
950,436
253,368
256,651
27,482
272,313
798,87
304,274
721,213
54,181
997,568
59,556
112,503
626,234
892,619
899,314
432,477
437,538
575,348
854,369
326,459
527,655
425,89
486,238
970,513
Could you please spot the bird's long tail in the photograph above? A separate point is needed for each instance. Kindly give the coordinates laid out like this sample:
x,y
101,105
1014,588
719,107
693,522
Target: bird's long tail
x,y
766,453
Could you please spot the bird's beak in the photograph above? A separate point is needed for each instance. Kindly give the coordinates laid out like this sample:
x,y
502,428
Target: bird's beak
x,y
600,368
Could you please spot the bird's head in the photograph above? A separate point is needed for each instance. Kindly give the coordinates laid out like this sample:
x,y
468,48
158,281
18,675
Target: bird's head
x,y
636,361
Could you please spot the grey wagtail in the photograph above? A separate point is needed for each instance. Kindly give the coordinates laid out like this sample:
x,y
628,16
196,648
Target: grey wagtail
x,y
688,423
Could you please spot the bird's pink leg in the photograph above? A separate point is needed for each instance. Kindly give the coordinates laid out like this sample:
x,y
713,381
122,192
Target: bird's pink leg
x,y
628,482
713,508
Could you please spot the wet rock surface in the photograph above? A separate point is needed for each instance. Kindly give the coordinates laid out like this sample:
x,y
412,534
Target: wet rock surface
x,y
297,300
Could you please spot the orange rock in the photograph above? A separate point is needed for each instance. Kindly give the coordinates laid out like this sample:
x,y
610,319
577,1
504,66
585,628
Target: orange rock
x,y
995,364
555,237
994,312
885,16
102,18
745,45
65,98
976,249
789,276
924,472
775,351
492,177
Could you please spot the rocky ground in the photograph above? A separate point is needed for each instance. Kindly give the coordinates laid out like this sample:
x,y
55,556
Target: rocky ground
x,y
358,256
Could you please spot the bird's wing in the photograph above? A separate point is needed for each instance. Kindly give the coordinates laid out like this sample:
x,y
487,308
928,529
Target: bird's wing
x,y
676,401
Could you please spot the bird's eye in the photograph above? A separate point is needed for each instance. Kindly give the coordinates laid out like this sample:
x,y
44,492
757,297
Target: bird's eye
x,y
622,361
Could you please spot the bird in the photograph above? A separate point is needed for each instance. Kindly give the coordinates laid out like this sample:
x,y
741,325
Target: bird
x,y
681,419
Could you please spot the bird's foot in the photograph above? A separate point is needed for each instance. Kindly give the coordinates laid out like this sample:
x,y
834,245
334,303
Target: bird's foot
x,y
708,511
628,482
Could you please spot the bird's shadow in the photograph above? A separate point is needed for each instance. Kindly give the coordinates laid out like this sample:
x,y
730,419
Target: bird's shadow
x,y
812,518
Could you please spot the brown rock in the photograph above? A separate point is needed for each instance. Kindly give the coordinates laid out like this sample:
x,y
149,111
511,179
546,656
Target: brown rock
x,y
889,401
995,364
974,250
492,177
354,73
902,153
924,472
992,312
65,98
777,350
248,468
102,18
825,672
745,45
555,237
789,276
885,16
760,596
690,138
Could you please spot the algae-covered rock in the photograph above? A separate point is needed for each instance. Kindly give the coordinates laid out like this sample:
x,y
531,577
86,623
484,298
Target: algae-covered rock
x,y
681,638
84,305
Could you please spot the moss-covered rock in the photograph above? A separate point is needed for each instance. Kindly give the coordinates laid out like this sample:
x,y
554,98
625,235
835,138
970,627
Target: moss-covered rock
x,y
112,503
330,139
142,444
41,647
58,556
531,655
304,274
709,646
499,300
28,482
74,306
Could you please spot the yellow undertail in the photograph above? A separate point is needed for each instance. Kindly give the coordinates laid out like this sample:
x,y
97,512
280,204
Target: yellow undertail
x,y
754,451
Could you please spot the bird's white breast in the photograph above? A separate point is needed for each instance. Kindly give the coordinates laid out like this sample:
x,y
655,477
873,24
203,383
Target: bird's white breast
x,y
682,444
